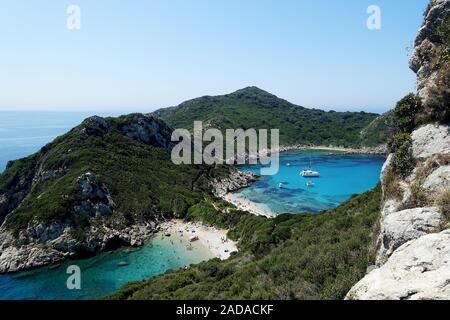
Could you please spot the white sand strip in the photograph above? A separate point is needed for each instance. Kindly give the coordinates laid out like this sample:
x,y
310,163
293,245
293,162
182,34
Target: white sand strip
x,y
212,239
245,204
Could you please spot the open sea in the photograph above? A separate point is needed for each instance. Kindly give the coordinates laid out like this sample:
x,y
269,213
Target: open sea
x,y
23,133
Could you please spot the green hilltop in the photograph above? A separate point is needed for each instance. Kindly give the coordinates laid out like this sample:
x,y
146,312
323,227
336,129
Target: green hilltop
x,y
252,107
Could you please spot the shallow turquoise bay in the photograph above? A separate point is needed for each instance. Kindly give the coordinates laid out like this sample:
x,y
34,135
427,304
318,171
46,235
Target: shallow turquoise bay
x,y
101,274
342,175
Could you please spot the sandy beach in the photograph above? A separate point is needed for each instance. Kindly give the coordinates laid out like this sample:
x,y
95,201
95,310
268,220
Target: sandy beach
x,y
209,238
244,204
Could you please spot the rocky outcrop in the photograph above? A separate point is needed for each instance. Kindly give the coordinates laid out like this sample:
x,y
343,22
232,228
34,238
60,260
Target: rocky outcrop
x,y
418,270
412,260
50,174
43,244
235,181
94,198
400,227
437,182
428,46
429,140
148,130
405,220
95,126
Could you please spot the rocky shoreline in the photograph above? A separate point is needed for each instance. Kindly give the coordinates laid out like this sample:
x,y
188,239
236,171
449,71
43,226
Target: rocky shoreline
x,y
380,150
42,245
236,181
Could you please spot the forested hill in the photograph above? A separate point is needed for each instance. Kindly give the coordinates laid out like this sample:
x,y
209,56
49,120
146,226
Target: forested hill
x,y
252,107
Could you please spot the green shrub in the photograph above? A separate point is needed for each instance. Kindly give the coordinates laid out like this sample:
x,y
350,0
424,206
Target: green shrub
x,y
403,161
444,32
405,113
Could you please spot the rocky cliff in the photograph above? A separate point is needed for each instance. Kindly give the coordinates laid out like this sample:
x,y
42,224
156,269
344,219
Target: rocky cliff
x,y
414,240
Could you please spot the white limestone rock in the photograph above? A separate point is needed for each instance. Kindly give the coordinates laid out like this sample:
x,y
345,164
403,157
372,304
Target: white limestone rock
x,y
427,47
438,181
429,140
400,227
386,168
418,270
235,181
390,206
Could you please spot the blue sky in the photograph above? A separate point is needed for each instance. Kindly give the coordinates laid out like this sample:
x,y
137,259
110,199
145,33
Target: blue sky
x,y
141,55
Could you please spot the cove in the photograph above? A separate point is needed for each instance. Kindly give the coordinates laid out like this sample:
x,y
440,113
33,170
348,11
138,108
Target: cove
x,y
103,273
341,176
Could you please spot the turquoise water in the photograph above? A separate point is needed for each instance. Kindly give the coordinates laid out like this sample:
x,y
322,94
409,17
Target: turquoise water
x,y
103,273
23,133
341,176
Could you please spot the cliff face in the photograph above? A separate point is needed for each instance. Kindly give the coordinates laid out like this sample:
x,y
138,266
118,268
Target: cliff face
x,y
430,50
414,239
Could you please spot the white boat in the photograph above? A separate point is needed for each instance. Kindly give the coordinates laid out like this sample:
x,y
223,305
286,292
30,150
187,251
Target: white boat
x,y
280,185
310,174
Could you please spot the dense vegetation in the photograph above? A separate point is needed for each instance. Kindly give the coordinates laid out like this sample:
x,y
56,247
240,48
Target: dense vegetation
x,y
405,120
137,175
378,131
254,108
290,257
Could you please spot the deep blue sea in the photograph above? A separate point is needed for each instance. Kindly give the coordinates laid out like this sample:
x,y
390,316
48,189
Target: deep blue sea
x,y
22,133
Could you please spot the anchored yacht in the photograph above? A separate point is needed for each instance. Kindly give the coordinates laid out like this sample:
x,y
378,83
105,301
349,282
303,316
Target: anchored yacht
x,y
310,174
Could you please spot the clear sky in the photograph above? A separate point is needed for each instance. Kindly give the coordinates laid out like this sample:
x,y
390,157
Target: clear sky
x,y
141,55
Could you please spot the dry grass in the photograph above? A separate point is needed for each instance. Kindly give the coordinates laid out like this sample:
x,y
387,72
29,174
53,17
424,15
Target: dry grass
x,y
392,188
436,107
443,203
432,164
